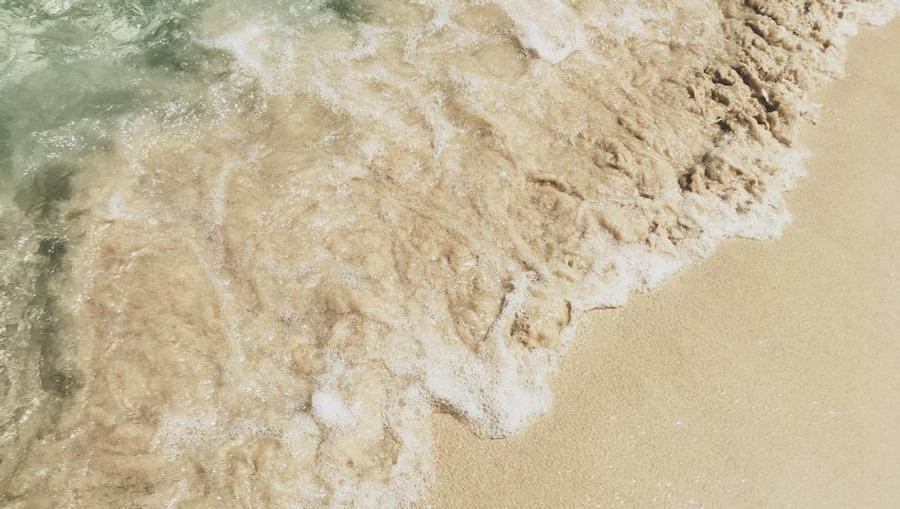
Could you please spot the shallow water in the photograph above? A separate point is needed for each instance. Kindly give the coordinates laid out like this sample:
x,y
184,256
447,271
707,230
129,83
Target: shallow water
x,y
249,247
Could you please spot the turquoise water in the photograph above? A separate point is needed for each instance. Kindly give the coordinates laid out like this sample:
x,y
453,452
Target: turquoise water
x,y
73,76
72,69
73,73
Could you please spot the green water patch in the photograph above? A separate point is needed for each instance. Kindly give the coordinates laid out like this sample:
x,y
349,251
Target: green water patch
x,y
57,375
40,197
41,319
37,373
350,10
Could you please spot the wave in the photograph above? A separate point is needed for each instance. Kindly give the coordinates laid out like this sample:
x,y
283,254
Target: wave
x,y
249,248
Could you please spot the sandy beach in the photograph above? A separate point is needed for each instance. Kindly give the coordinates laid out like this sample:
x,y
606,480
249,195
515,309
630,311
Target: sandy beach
x,y
299,253
772,378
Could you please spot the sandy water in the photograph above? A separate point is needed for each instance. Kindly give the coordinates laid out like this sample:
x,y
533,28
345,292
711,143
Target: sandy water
x,y
249,247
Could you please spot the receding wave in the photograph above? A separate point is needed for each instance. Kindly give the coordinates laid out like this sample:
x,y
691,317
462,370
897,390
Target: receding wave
x,y
249,247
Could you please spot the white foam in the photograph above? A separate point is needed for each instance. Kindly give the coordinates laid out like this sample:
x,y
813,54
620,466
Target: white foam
x,y
329,408
264,48
550,28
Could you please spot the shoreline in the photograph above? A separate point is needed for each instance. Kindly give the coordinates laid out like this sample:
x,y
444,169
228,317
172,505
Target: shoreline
x,y
653,408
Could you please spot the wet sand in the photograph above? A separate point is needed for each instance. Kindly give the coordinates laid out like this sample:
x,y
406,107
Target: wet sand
x,y
772,378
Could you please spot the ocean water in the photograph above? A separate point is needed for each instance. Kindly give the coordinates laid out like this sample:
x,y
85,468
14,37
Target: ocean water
x,y
248,247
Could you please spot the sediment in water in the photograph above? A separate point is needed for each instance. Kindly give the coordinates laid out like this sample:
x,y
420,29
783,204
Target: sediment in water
x,y
260,243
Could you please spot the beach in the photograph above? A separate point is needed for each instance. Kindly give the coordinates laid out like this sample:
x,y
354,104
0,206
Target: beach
x,y
301,253
766,376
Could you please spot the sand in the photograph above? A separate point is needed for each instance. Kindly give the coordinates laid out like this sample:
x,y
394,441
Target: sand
x,y
768,376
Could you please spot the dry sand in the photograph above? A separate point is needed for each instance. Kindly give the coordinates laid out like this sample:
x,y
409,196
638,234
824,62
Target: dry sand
x,y
768,376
